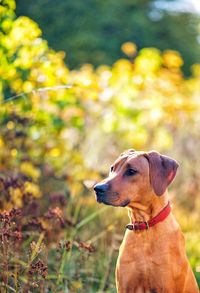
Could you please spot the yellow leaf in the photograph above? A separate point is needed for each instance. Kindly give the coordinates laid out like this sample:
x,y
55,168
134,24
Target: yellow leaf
x,y
32,188
28,169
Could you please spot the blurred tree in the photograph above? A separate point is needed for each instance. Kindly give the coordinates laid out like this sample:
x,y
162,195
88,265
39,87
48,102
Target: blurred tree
x,y
151,99
92,31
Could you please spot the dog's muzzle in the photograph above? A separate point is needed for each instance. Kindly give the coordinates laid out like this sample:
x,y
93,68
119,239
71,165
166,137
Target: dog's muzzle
x,y
100,190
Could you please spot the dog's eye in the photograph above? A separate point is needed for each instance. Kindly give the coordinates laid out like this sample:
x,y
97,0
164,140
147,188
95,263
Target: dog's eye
x,y
111,168
130,172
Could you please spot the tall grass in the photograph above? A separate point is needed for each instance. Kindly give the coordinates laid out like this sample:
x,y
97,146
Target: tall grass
x,y
70,246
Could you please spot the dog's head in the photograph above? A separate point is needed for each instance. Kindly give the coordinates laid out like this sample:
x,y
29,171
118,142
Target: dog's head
x,y
135,177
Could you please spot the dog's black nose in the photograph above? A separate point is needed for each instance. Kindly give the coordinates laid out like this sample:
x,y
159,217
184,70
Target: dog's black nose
x,y
101,187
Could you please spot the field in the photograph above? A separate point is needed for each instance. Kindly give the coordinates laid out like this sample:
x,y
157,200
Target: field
x,y
60,131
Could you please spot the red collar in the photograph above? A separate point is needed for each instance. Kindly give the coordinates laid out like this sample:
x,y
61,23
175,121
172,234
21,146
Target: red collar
x,y
164,213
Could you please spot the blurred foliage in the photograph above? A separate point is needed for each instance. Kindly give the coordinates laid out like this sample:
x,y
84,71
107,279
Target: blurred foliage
x,y
57,139
93,31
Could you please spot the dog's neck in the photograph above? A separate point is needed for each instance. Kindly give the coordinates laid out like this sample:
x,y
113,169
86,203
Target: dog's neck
x,y
146,211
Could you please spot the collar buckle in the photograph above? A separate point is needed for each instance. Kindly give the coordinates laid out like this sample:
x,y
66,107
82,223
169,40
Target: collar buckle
x,y
147,225
130,227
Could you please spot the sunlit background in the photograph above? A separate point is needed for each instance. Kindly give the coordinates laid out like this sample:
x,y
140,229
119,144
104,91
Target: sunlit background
x,y
80,82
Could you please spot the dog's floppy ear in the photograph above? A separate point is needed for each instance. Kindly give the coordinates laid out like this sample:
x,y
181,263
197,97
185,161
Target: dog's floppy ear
x,y
162,171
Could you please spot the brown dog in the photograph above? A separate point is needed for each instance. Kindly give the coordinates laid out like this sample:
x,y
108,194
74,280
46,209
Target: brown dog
x,y
152,255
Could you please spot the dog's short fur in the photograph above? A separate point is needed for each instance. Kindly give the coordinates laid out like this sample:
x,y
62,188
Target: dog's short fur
x,y
152,260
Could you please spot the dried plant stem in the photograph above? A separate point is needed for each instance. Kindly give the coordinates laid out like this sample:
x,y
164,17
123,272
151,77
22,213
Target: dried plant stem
x,y
34,254
5,244
37,248
105,280
16,278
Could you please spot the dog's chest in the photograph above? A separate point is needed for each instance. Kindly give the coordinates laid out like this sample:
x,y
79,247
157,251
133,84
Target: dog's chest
x,y
147,261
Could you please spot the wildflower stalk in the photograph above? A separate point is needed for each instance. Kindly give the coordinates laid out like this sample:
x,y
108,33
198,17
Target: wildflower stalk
x,y
65,258
5,260
37,248
105,280
34,254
